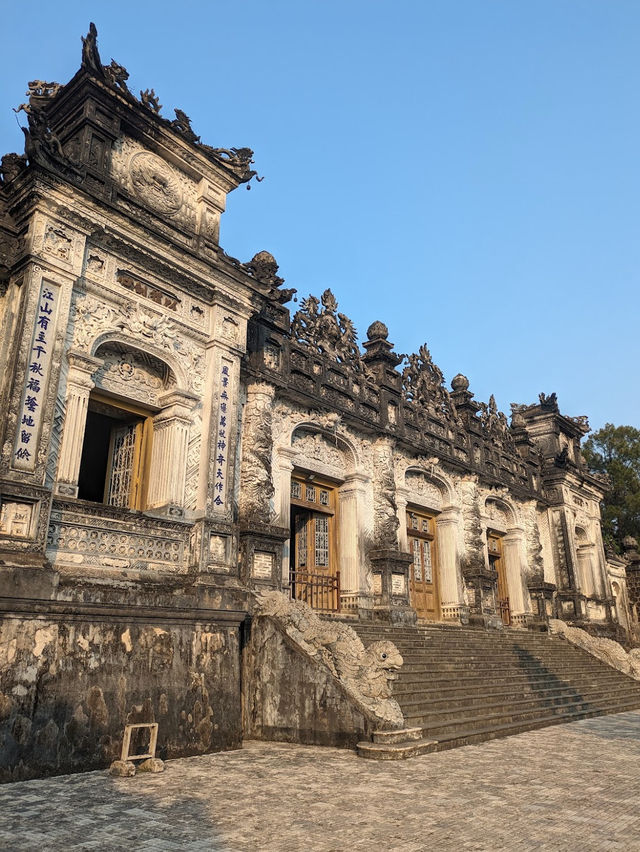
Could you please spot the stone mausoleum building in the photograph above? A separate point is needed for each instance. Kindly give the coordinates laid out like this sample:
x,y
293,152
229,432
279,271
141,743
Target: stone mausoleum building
x,y
174,440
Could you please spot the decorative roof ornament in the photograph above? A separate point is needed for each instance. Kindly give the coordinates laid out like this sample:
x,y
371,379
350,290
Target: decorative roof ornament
x,y
423,384
182,123
117,75
324,330
263,268
150,100
495,423
41,144
581,421
549,401
239,160
90,54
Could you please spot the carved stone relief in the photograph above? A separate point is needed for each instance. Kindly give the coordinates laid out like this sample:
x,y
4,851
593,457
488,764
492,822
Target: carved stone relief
x,y
134,374
497,513
93,317
194,451
57,241
386,521
93,545
158,186
155,183
313,446
256,485
419,486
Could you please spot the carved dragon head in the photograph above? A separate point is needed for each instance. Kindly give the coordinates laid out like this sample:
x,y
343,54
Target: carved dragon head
x,y
383,656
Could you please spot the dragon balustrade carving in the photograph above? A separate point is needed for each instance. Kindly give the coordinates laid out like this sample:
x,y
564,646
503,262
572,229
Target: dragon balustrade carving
x,y
366,673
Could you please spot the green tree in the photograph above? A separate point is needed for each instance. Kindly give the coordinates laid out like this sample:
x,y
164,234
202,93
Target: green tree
x,y
615,450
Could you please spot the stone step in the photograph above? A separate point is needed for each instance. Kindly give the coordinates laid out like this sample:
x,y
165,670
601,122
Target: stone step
x,y
411,700
435,730
429,714
433,673
446,690
463,685
476,735
398,736
395,751
495,671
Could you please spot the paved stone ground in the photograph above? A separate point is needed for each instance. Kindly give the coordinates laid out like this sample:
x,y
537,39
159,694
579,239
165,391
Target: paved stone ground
x,y
570,787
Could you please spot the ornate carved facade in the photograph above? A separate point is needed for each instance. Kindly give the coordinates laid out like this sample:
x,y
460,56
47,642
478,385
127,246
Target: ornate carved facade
x,y
174,441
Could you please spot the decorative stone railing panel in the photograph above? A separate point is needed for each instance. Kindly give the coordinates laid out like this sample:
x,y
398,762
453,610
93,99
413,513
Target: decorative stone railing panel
x,y
101,537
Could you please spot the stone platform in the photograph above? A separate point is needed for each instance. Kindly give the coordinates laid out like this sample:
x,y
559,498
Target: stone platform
x,y
565,788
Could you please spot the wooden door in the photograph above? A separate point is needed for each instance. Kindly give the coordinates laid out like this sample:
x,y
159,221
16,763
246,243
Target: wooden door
x,y
496,561
314,575
423,575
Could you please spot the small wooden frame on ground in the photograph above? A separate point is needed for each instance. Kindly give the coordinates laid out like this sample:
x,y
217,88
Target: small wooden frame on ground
x,y
125,767
126,741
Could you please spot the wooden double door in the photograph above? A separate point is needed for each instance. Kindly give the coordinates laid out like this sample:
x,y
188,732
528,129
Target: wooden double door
x,y
496,561
423,574
314,577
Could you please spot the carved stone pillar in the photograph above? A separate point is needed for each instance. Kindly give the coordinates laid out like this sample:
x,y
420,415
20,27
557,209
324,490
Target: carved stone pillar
x,y
169,453
391,587
385,508
350,524
513,544
402,498
256,476
282,481
452,603
79,386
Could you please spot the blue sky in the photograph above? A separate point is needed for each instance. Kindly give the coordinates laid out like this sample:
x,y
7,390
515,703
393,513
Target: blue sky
x,y
464,170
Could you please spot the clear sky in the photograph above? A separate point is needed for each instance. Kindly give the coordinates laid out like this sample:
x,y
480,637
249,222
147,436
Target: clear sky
x,y
464,170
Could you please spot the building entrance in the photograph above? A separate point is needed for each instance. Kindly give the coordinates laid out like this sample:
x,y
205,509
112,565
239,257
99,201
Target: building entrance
x,y
496,561
314,577
423,579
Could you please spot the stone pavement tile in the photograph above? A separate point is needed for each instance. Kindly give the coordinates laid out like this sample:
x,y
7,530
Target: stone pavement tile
x,y
570,787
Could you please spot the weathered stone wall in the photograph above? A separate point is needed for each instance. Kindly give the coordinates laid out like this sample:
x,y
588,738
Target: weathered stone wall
x,y
68,687
289,697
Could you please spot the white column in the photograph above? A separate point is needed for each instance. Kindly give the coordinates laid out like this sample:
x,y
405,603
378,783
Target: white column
x,y
402,498
512,551
449,577
79,386
350,559
169,451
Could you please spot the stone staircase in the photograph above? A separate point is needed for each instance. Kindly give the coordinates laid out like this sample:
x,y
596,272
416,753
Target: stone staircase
x,y
464,685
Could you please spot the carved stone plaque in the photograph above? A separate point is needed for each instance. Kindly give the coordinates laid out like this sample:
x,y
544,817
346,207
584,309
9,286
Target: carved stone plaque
x,y
398,586
15,518
262,568
155,183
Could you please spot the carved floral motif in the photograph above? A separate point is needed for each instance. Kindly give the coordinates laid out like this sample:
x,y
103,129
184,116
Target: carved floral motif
x,y
314,446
